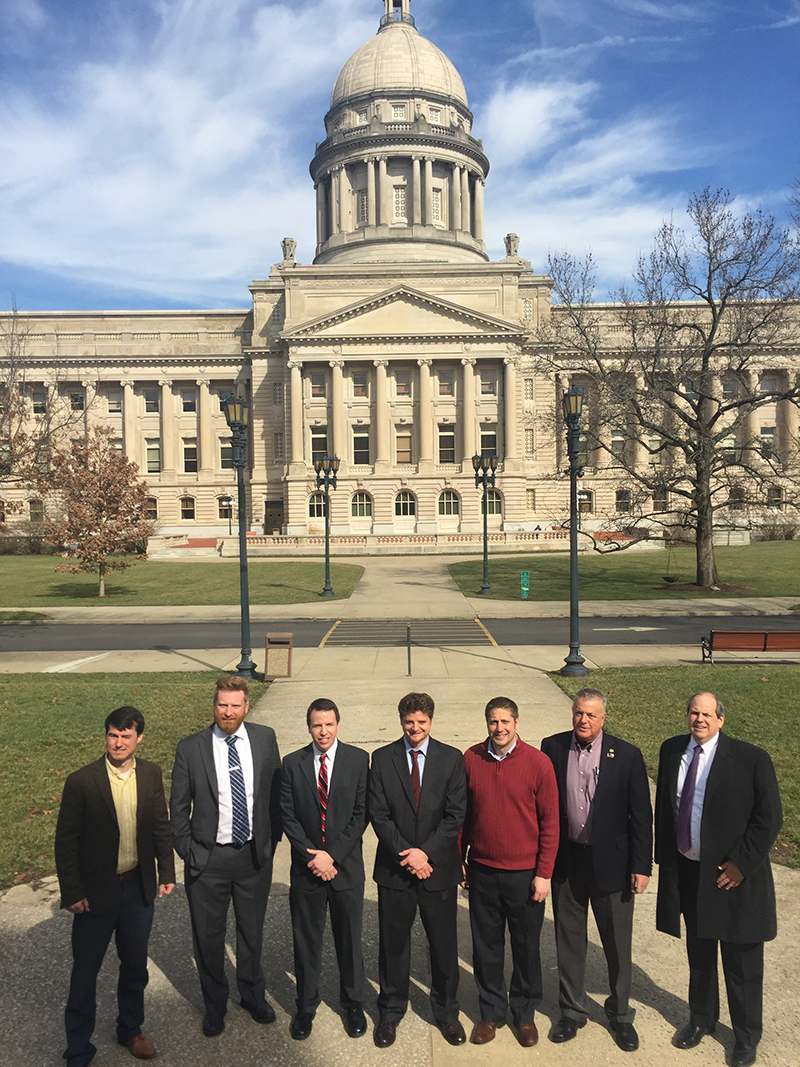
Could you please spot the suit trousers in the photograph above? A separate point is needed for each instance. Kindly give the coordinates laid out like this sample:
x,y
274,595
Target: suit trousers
x,y
309,905
229,875
438,911
613,913
500,898
742,965
130,920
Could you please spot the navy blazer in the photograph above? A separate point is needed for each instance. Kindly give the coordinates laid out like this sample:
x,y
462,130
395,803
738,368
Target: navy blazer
x,y
345,819
194,797
622,815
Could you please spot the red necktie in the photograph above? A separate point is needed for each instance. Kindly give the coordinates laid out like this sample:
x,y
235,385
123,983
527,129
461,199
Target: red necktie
x,y
416,785
322,789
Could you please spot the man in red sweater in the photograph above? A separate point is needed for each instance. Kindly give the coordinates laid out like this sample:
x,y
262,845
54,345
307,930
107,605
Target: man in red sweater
x,y
508,848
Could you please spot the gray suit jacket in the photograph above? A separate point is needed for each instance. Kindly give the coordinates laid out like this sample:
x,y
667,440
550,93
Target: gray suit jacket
x,y
194,798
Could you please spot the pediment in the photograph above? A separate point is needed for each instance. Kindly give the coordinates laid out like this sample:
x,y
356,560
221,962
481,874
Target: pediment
x,y
403,312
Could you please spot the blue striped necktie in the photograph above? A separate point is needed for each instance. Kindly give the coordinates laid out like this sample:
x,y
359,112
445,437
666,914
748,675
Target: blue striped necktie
x,y
240,828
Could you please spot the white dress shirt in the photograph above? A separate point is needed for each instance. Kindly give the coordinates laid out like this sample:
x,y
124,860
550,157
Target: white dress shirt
x,y
706,758
220,747
423,751
331,756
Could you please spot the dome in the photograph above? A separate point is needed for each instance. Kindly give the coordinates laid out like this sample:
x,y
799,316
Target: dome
x,y
398,58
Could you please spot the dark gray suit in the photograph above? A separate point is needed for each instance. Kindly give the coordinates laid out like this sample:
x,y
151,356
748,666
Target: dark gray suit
x,y
343,895
216,874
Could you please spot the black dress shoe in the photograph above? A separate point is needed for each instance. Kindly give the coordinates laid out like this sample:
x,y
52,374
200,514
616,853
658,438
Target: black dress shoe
x,y
743,1055
355,1023
565,1029
453,1032
625,1035
691,1035
212,1026
261,1013
301,1025
385,1033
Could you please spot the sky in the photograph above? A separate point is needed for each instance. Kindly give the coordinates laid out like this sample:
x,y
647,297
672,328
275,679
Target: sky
x,y
153,153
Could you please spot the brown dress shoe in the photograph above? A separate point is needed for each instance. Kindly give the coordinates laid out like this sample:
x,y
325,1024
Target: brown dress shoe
x,y
484,1032
453,1032
528,1034
141,1047
384,1034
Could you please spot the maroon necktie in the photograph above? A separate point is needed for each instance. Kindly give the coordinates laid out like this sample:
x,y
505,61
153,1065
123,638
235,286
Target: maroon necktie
x,y
322,789
684,828
416,785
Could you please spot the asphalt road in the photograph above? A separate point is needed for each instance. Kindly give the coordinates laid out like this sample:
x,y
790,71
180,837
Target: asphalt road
x,y
645,630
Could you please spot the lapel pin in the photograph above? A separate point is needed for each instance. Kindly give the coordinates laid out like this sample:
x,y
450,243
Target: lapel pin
x,y
610,754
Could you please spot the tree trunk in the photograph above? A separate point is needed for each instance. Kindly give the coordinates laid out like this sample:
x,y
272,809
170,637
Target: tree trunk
x,y
706,562
102,580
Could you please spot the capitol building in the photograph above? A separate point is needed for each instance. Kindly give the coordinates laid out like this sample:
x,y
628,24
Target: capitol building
x,y
401,348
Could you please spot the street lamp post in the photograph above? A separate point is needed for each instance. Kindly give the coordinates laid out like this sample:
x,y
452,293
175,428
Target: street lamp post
x,y
574,664
326,468
237,415
485,467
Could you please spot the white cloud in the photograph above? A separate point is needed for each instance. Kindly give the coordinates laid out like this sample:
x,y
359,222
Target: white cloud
x,y
522,120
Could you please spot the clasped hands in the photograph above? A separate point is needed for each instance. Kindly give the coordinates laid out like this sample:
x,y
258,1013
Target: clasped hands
x,y
416,862
322,864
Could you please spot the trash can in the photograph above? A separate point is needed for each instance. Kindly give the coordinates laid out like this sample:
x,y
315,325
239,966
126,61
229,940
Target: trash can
x,y
278,662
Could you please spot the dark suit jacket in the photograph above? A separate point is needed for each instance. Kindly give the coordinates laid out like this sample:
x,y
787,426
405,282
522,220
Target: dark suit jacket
x,y
741,819
345,820
87,835
194,797
434,828
622,815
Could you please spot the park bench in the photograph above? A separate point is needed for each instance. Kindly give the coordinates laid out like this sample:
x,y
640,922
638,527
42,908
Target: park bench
x,y
748,641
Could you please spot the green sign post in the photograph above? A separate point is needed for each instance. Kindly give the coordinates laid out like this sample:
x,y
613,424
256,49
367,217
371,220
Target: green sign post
x,y
525,582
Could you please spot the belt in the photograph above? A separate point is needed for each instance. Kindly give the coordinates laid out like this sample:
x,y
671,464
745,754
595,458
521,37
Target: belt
x,y
127,875
232,844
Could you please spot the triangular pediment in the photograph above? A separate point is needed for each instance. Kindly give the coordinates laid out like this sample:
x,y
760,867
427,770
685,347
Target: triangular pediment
x,y
403,312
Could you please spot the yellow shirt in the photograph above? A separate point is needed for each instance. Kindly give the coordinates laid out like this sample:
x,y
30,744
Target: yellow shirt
x,y
123,790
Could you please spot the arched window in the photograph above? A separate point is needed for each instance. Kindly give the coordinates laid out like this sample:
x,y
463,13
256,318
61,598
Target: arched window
x,y
448,503
494,503
151,508
405,504
361,506
585,501
317,506
187,507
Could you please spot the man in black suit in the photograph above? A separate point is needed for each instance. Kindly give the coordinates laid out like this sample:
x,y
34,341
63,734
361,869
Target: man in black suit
x,y
324,815
112,834
718,812
417,802
224,808
604,859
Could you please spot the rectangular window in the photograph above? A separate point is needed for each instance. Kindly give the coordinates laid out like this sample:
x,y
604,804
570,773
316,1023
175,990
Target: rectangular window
x,y
363,207
153,450
528,388
151,508
767,441
435,115
187,507
402,383
319,442
530,500
447,444
361,384
190,457
114,400
318,382
188,400
623,500
277,393
362,116
360,445
488,440
77,401
660,500
278,446
529,443
729,450
116,444
151,400
654,450
226,454
36,511
730,388
400,202
768,383
403,446
446,383
488,383
398,112
618,444
39,398
436,205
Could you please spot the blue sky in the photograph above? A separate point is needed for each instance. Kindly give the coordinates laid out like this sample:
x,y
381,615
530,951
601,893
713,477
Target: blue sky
x,y
154,152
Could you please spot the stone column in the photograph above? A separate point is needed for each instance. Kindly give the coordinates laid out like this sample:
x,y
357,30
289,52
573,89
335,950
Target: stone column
x,y
510,409
480,225
383,193
296,409
336,194
382,444
416,182
466,220
207,442
337,402
425,409
428,191
131,438
788,423
90,388
322,212
751,421
455,198
168,440
468,413
345,201
371,205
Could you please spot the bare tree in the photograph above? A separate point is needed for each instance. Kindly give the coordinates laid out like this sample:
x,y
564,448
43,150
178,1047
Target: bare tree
x,y
679,366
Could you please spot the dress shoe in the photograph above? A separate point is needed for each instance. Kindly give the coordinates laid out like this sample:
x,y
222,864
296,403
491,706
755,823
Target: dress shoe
x,y
453,1032
385,1033
212,1026
484,1032
301,1026
565,1029
528,1034
691,1035
625,1035
355,1023
743,1055
143,1049
261,1013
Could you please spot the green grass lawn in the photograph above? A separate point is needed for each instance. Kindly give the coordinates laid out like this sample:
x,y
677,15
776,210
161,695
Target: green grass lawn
x,y
646,705
768,568
49,727
33,582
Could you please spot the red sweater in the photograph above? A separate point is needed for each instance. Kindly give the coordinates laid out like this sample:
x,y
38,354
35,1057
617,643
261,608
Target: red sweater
x,y
512,810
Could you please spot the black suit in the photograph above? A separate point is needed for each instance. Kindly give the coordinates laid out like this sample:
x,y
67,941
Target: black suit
x,y
216,874
434,828
741,819
86,850
621,845
309,896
